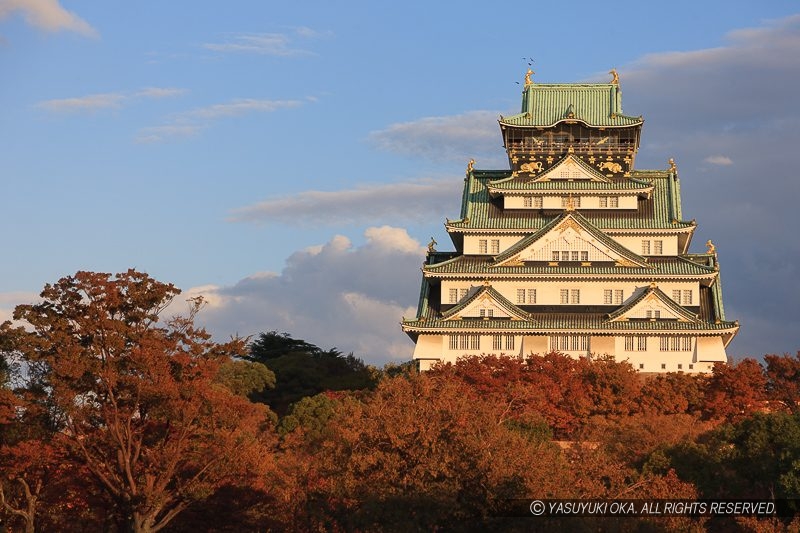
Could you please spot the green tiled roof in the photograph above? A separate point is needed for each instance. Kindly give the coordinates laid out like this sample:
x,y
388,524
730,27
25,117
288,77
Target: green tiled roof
x,y
481,266
545,105
480,212
546,323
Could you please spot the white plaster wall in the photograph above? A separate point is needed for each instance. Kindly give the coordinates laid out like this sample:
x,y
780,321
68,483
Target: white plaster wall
x,y
431,348
472,245
548,292
554,202
634,243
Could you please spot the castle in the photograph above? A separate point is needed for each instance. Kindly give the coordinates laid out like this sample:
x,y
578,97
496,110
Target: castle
x,y
573,249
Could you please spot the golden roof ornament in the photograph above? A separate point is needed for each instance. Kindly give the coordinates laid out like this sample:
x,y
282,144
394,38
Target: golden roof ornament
x,y
470,166
614,76
528,80
672,166
431,245
711,248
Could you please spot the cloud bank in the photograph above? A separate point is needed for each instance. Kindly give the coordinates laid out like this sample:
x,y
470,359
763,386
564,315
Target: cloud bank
x,y
426,200
341,295
47,15
474,134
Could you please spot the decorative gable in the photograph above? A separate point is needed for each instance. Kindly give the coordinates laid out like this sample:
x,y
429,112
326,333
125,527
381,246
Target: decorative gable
x,y
571,168
485,303
570,238
653,304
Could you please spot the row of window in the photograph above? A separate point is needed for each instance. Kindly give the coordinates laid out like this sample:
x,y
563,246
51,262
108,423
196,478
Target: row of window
x,y
573,296
664,366
572,343
564,343
685,300
638,343
657,248
536,201
573,255
570,296
483,246
649,247
609,201
454,295
473,342
526,296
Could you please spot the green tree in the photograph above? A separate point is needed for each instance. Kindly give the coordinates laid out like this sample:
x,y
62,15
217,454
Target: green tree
x,y
303,370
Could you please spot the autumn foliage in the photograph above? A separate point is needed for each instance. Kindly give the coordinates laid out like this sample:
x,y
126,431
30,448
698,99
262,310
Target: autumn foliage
x,y
115,417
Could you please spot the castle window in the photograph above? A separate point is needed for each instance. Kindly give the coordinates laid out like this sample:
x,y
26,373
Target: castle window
x,y
676,295
576,296
575,255
453,295
687,297
482,246
537,202
487,313
576,201
618,297
520,296
584,255
663,344
609,201
531,296
607,296
498,344
495,246
635,343
564,296
465,342
565,256
527,201
464,293
555,256
645,247
658,247
653,314
569,343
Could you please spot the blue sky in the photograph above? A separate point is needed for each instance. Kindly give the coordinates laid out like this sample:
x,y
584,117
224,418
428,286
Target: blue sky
x,y
290,160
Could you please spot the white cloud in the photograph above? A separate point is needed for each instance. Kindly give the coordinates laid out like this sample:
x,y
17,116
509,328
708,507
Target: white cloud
x,y
190,123
334,295
446,138
9,300
272,44
719,160
160,92
47,15
116,100
417,200
91,102
242,107
734,99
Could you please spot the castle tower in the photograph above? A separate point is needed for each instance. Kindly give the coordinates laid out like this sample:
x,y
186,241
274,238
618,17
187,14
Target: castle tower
x,y
572,249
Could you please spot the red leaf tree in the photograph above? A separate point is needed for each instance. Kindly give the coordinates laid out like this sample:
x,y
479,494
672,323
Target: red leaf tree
x,y
137,398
